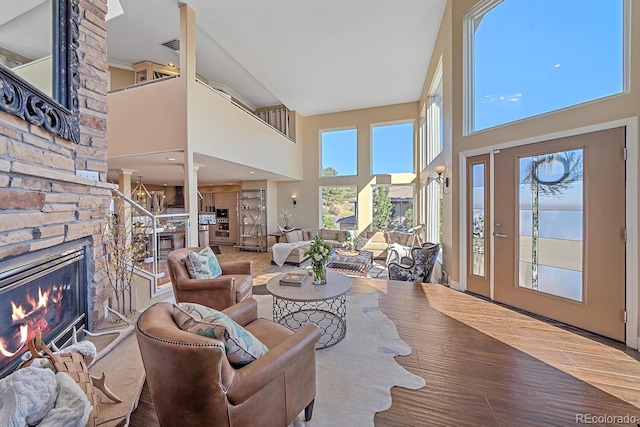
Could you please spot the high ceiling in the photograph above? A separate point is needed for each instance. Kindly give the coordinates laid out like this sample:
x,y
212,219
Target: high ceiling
x,y
314,57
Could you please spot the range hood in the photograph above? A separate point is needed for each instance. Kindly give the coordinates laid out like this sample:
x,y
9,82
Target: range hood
x,y
178,201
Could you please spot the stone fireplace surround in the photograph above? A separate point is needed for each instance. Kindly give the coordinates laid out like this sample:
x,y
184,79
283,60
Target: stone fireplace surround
x,y
43,200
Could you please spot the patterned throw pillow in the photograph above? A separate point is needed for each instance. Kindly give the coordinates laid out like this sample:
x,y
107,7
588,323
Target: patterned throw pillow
x,y
203,264
361,241
241,346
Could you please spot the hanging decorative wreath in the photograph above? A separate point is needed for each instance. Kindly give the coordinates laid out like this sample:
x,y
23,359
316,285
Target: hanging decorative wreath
x,y
571,172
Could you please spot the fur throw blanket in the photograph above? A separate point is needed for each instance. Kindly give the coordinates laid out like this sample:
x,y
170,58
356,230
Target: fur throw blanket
x,y
37,396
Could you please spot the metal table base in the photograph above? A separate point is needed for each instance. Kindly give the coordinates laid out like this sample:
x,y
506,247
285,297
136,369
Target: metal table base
x,y
329,315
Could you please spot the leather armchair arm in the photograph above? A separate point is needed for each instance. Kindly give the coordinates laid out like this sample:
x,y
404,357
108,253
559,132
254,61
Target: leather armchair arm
x,y
216,293
221,283
237,267
250,379
243,312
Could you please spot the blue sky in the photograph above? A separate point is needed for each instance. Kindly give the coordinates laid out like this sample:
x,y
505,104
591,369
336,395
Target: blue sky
x,y
392,149
537,56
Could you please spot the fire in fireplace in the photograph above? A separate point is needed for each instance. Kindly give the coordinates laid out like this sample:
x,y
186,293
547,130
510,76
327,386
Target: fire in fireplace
x,y
41,291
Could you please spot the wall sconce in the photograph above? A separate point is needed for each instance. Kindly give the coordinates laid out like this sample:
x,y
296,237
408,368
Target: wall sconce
x,y
293,199
440,170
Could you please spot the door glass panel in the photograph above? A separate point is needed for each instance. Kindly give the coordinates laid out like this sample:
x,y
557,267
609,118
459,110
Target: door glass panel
x,y
551,223
477,230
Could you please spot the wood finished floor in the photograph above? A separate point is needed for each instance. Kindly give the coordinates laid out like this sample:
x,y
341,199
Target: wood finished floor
x,y
488,365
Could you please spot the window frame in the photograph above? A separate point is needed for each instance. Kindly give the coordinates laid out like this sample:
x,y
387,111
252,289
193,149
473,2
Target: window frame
x,y
434,145
320,200
468,61
413,202
413,145
320,166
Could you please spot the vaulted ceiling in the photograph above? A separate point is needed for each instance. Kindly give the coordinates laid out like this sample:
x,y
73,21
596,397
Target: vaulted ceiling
x,y
314,57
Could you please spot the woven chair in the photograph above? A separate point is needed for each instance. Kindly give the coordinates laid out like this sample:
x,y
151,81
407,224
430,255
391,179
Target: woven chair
x,y
422,260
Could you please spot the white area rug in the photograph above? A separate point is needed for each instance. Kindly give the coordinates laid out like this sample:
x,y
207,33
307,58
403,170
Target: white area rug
x,y
355,376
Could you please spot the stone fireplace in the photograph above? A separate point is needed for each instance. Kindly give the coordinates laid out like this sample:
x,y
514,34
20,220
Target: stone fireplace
x,y
53,195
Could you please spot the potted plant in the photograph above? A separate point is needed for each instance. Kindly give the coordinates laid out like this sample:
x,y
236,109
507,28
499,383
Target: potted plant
x,y
124,249
288,217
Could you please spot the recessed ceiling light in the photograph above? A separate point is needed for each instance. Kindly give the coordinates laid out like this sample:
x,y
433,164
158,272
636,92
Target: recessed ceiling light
x,y
251,172
164,185
171,159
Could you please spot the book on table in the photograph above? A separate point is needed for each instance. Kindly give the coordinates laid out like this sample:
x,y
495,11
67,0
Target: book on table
x,y
293,279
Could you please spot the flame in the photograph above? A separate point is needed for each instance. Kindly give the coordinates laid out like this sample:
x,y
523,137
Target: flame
x,y
24,333
18,312
57,297
42,298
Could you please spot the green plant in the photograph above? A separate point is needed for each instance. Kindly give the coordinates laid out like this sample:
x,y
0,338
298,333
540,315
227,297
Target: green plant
x,y
382,208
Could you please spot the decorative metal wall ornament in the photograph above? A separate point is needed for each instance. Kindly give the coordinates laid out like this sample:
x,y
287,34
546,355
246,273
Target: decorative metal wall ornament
x,y
58,114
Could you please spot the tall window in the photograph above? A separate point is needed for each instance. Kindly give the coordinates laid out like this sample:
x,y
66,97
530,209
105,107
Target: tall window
x,y
434,134
338,152
551,236
392,148
339,208
392,207
433,212
532,57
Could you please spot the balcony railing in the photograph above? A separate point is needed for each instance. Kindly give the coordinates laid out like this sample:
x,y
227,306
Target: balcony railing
x,y
159,234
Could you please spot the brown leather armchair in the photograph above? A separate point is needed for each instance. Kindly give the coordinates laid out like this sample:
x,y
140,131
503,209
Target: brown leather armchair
x,y
235,284
192,383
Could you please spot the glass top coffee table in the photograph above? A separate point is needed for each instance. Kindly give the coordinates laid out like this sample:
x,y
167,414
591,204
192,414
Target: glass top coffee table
x,y
323,305
350,263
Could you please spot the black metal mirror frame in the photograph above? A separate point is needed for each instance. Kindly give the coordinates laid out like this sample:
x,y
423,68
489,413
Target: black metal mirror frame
x,y
57,114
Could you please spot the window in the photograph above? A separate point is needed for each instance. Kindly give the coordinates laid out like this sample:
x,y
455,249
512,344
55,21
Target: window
x,y
392,207
433,212
434,134
339,208
338,152
528,58
551,236
392,148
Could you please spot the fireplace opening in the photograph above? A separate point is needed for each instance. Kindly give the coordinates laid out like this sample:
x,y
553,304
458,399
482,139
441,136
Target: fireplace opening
x,y
46,291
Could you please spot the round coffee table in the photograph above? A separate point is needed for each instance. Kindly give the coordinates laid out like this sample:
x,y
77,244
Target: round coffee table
x,y
323,305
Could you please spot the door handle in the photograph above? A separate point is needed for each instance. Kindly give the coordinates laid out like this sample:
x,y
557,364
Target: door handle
x,y
499,235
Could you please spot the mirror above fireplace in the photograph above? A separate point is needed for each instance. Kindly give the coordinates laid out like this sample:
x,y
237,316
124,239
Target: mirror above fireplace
x,y
39,63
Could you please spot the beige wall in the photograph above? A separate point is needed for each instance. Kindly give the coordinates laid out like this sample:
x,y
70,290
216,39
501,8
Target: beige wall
x,y
120,78
238,136
307,210
147,119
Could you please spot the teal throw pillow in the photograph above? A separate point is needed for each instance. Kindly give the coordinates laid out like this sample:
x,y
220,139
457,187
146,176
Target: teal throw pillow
x,y
203,264
242,346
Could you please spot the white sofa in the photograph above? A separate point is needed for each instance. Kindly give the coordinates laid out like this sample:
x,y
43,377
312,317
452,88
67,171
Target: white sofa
x,y
303,237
